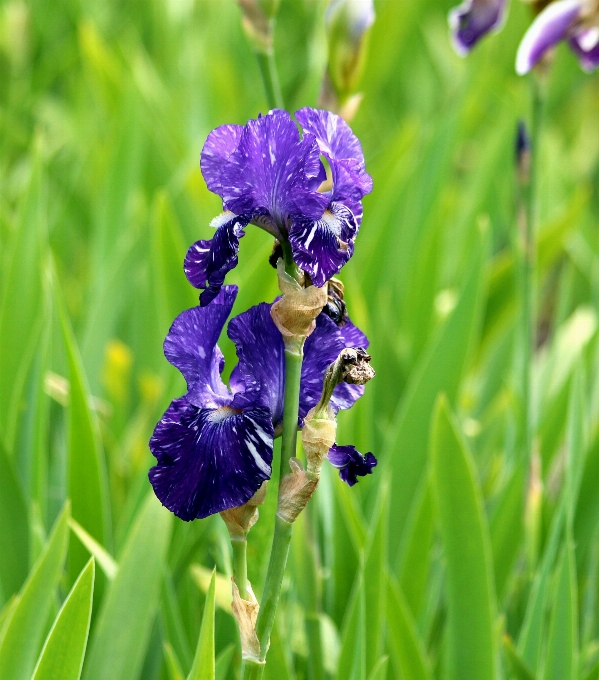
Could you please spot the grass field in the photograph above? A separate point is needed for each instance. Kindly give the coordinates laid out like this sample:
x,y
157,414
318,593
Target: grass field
x,y
461,557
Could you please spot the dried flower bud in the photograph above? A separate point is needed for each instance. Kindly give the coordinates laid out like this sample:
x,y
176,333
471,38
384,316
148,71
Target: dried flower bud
x,y
241,519
246,613
295,313
295,491
318,435
355,366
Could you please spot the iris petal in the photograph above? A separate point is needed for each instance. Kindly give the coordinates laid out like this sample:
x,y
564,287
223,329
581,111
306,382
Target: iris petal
x,y
208,262
585,45
549,28
219,146
351,463
191,347
273,170
321,247
209,460
261,354
472,20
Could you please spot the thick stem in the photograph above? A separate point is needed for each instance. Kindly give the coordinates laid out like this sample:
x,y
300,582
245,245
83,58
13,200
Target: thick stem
x,y
251,670
270,78
274,579
240,571
293,374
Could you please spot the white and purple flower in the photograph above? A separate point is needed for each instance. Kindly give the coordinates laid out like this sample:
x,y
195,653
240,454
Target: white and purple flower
x,y
472,20
268,174
575,21
214,445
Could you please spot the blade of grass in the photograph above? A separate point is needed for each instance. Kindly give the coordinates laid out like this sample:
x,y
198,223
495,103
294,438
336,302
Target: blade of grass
x,y
203,663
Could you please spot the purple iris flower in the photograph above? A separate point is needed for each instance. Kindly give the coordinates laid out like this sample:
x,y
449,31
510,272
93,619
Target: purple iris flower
x,y
576,21
268,174
472,20
214,445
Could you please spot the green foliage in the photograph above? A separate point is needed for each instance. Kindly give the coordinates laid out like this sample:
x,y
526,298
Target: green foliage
x,y
62,655
458,539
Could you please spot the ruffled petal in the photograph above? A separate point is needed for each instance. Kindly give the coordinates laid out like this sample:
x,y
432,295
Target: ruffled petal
x,y
191,347
342,149
208,262
472,20
321,349
585,44
351,463
261,353
209,460
219,146
551,26
323,246
273,170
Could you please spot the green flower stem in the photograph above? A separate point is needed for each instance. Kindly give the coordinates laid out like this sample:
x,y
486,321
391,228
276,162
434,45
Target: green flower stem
x,y
270,79
528,256
252,670
240,570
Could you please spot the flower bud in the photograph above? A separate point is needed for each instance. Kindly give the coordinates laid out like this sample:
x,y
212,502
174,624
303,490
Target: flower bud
x,y
295,313
318,435
347,25
241,519
246,613
256,23
295,491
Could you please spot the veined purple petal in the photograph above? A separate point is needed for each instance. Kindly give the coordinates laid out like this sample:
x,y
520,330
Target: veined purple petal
x,y
585,44
472,20
209,460
208,261
261,367
321,247
551,26
321,349
219,146
342,149
351,463
191,347
273,170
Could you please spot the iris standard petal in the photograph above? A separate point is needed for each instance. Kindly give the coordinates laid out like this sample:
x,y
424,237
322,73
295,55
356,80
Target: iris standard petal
x,y
191,347
208,262
351,463
472,20
261,354
321,247
342,149
550,27
219,146
273,170
209,460
321,349
585,44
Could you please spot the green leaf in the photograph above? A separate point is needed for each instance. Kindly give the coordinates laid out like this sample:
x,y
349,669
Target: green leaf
x,y
21,301
405,646
62,655
379,672
203,664
375,565
87,479
517,665
352,656
408,435
14,530
172,663
23,631
470,588
124,624
561,658
102,556
223,662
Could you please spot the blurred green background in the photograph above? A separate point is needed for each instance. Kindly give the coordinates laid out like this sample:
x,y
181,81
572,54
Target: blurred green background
x,y
457,558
